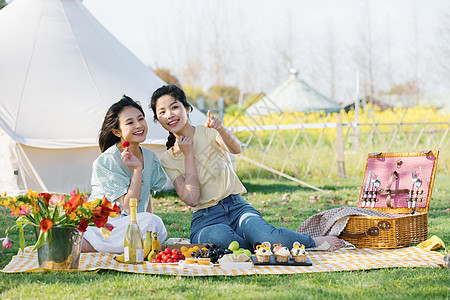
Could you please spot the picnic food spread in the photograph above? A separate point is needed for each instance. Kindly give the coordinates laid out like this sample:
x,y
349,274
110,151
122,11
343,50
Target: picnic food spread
x,y
233,257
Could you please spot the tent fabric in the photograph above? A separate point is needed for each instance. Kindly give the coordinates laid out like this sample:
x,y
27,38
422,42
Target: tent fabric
x,y
293,95
60,70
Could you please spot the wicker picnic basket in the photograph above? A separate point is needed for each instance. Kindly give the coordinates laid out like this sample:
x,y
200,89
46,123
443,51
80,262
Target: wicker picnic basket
x,y
399,184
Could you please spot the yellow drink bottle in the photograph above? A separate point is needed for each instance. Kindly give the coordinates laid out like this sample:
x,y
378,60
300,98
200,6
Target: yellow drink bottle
x,y
133,244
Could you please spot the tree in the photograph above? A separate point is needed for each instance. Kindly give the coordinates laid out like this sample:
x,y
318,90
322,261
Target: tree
x,y
193,93
2,3
167,77
365,50
230,94
442,52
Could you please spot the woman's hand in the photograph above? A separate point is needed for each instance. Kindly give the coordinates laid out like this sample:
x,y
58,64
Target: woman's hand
x,y
186,145
131,160
213,122
227,140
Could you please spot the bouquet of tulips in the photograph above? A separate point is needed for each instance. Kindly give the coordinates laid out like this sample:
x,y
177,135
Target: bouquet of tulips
x,y
46,210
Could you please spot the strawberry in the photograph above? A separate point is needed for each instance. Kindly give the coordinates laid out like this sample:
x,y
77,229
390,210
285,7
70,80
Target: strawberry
x,y
126,144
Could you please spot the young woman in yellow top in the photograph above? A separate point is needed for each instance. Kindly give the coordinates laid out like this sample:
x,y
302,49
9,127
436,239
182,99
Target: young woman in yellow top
x,y
198,164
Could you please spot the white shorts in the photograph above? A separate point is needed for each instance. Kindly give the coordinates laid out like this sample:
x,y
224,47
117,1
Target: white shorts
x,y
114,243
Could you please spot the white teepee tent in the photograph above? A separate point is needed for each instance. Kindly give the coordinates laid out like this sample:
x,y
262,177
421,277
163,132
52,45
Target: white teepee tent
x,y
60,70
293,95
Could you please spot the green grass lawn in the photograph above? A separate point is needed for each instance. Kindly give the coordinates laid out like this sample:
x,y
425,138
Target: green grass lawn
x,y
282,203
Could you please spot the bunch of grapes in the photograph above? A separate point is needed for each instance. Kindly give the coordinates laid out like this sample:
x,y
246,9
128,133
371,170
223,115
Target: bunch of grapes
x,y
213,251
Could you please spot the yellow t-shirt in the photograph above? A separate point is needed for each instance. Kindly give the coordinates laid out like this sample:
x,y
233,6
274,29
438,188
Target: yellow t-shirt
x,y
214,169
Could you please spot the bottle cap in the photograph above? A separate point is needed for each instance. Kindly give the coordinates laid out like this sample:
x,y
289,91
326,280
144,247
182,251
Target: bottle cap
x,y
133,202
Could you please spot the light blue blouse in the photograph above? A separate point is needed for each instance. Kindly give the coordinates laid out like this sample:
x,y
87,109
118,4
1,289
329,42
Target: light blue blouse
x,y
111,177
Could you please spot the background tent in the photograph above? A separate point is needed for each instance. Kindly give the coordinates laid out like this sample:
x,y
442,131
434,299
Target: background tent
x,y
294,95
60,70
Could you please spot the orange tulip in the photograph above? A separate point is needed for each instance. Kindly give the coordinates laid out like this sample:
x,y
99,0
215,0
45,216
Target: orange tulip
x,y
46,224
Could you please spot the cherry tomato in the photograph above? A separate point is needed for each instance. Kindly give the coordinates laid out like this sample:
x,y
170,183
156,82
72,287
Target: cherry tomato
x,y
174,251
174,256
154,260
159,256
158,261
167,251
169,260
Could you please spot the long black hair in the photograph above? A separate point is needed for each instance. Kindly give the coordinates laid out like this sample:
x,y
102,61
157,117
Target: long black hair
x,y
177,94
106,138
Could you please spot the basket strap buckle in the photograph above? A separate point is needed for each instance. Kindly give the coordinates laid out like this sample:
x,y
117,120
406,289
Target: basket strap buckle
x,y
372,231
384,225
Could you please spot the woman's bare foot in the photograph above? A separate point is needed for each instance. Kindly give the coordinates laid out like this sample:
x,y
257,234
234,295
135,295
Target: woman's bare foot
x,y
334,241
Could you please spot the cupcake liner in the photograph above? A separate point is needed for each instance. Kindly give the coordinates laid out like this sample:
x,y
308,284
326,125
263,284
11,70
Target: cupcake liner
x,y
299,258
282,258
263,258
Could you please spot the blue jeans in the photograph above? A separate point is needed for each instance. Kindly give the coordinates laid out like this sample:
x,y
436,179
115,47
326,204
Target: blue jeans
x,y
234,219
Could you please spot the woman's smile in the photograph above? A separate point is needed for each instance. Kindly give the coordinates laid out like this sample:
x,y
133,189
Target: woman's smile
x,y
174,123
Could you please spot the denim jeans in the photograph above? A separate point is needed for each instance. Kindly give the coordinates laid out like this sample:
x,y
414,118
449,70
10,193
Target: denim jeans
x,y
234,219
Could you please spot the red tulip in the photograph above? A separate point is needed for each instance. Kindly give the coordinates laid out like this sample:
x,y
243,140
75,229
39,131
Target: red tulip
x,y
100,221
46,224
46,197
83,225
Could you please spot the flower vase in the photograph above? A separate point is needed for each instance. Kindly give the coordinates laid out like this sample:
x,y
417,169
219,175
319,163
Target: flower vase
x,y
62,249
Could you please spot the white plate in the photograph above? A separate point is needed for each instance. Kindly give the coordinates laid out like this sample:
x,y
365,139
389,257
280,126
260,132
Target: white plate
x,y
236,265
196,265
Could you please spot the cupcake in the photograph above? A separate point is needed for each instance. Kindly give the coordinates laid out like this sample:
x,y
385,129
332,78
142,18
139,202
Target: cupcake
x,y
282,255
299,254
204,261
263,255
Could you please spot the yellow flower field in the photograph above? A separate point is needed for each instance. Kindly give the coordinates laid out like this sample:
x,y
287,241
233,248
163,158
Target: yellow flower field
x,y
305,144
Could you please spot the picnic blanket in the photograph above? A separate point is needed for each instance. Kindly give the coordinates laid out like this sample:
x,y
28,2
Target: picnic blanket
x,y
340,260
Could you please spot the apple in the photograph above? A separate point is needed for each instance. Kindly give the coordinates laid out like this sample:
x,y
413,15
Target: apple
x,y
233,246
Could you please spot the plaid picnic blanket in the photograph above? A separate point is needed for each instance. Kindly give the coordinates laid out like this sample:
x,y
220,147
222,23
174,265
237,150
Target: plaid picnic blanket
x,y
340,260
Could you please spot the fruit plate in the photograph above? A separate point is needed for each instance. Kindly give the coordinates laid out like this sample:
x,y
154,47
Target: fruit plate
x,y
196,265
290,262
236,265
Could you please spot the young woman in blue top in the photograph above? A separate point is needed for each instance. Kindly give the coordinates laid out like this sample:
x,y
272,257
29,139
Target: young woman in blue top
x,y
121,173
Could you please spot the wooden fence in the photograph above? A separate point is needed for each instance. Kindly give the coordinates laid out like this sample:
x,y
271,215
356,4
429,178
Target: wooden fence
x,y
295,147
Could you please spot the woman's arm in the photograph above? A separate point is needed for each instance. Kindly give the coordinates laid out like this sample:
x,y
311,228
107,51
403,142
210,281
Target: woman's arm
x,y
134,190
227,140
188,186
150,204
